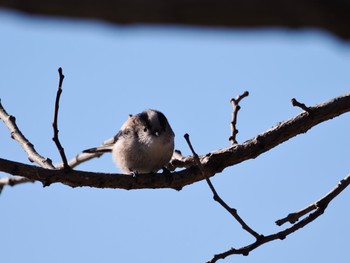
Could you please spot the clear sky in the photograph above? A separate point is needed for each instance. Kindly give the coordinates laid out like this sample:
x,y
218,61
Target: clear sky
x,y
189,74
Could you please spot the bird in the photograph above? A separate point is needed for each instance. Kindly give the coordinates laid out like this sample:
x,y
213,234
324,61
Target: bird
x,y
144,143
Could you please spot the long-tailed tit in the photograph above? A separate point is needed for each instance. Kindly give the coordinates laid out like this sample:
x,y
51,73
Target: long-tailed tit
x,y
144,144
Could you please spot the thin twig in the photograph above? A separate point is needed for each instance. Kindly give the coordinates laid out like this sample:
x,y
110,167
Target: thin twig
x,y
79,159
216,196
55,120
296,103
294,217
324,201
321,206
83,156
236,108
13,180
27,146
178,160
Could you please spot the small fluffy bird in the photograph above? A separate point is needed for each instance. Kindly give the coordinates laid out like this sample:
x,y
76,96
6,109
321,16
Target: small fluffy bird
x,y
144,144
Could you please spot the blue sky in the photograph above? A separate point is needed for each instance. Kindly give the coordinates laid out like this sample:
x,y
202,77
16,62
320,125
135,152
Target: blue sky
x,y
189,74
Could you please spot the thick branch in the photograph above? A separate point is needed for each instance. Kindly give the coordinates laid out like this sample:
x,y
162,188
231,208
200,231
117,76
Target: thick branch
x,y
329,15
220,159
77,178
213,162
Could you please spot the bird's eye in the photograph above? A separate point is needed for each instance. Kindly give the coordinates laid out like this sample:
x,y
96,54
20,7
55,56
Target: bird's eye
x,y
145,129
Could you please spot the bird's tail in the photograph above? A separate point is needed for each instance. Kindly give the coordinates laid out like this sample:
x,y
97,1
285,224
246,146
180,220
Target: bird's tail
x,y
99,149
107,146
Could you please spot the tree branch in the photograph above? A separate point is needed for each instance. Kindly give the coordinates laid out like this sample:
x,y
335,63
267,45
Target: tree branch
x,y
323,202
236,108
17,135
296,103
83,156
79,159
213,162
12,181
320,208
55,121
216,196
332,16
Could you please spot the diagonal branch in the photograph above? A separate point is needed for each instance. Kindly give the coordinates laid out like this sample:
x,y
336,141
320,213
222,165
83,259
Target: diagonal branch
x,y
284,233
17,135
218,160
216,196
55,121
323,202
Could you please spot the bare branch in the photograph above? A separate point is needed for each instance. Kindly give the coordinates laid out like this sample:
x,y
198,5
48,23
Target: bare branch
x,y
76,178
17,135
216,196
323,202
12,181
55,120
300,105
83,156
236,108
178,160
79,159
294,217
284,233
212,163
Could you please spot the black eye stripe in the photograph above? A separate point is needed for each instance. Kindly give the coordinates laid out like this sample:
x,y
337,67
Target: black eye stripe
x,y
162,120
145,120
